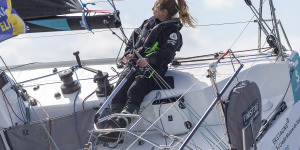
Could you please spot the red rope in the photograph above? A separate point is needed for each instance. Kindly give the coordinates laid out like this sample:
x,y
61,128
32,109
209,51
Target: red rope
x,y
266,48
6,100
223,56
7,107
100,11
87,98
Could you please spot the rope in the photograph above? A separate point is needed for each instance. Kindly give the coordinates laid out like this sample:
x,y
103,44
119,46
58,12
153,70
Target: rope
x,y
4,97
20,102
79,140
209,129
106,1
46,130
48,119
156,75
111,3
126,28
6,100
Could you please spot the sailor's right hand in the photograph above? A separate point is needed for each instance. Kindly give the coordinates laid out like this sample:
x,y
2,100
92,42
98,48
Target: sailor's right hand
x,y
128,57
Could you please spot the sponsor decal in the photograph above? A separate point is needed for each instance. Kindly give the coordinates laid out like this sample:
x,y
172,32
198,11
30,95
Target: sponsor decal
x,y
173,42
173,36
251,113
295,75
283,135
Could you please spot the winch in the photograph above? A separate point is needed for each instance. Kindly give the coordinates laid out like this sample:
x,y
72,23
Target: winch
x,y
104,88
69,85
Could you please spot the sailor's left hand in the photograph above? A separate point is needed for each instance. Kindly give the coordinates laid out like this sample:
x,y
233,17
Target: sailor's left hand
x,y
142,62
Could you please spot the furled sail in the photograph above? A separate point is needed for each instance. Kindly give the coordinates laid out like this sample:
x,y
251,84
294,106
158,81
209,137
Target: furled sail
x,y
69,23
52,15
30,9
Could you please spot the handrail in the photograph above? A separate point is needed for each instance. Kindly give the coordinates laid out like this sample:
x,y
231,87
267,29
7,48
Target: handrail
x,y
191,134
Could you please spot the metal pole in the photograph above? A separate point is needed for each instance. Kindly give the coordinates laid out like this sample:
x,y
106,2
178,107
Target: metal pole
x,y
4,140
259,27
114,93
286,38
210,108
276,29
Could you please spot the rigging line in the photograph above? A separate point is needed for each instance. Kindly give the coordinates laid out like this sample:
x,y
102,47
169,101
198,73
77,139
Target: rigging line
x,y
268,74
221,52
159,110
165,84
213,134
208,140
46,131
206,126
76,97
219,24
20,101
245,27
112,4
169,97
241,33
253,63
155,73
196,60
8,70
105,1
221,119
119,53
48,120
139,137
282,99
59,35
12,123
216,137
126,28
19,66
5,99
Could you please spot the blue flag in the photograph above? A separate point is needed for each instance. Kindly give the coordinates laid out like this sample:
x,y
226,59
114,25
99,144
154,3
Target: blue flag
x,y
11,24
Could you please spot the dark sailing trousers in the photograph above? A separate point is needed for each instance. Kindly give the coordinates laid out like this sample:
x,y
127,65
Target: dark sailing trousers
x,y
131,95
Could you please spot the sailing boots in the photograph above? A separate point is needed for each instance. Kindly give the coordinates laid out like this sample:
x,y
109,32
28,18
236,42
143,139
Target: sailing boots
x,y
118,122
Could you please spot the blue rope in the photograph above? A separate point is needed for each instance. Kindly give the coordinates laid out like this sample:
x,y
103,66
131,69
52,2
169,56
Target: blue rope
x,y
28,112
246,59
79,140
112,5
207,127
83,13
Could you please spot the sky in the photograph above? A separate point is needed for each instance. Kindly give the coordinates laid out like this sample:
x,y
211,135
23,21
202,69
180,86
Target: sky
x,y
59,46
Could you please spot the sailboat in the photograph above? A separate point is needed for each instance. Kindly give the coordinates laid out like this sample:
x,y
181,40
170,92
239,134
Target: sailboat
x,y
226,100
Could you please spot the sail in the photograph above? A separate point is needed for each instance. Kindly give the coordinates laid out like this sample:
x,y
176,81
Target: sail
x,y
11,23
69,23
29,9
53,15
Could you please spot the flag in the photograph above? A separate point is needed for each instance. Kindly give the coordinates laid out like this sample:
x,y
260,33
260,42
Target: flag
x,y
11,24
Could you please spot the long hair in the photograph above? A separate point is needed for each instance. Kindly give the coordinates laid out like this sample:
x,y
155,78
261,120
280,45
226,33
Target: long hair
x,y
180,6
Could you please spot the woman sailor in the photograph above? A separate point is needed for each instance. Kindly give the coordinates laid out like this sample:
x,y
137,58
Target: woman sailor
x,y
156,42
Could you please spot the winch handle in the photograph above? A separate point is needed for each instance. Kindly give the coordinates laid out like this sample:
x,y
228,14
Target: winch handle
x,y
223,56
76,54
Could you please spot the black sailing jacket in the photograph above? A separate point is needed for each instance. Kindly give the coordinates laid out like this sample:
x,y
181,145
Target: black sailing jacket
x,y
158,41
